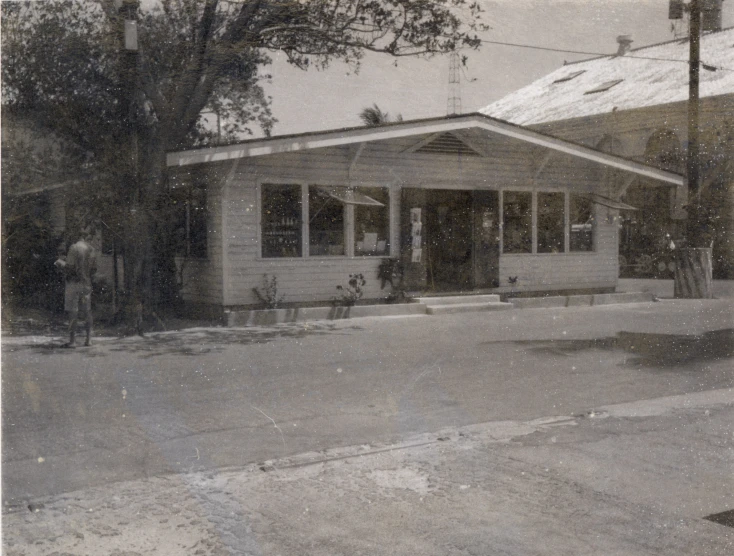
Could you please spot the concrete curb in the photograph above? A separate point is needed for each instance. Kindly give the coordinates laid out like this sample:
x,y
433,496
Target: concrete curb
x,y
270,317
277,316
581,300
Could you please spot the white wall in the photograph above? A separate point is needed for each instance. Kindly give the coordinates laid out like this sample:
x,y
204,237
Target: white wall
x,y
235,267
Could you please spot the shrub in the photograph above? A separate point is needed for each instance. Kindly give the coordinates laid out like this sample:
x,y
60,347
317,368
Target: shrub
x,y
268,296
352,292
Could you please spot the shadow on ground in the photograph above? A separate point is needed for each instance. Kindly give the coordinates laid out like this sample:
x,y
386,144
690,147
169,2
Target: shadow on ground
x,y
193,342
661,351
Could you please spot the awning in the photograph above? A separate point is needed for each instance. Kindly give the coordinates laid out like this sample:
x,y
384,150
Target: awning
x,y
348,196
607,202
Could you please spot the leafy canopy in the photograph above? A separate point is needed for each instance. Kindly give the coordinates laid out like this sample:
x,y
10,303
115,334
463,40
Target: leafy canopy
x,y
63,63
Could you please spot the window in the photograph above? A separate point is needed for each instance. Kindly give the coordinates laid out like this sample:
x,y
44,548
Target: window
x,y
281,221
325,222
551,222
333,213
518,221
191,221
372,223
582,223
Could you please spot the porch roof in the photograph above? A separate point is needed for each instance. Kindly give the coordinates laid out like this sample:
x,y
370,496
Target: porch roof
x,y
357,135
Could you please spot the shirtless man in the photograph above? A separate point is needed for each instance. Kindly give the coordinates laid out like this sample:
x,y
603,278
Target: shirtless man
x,y
79,268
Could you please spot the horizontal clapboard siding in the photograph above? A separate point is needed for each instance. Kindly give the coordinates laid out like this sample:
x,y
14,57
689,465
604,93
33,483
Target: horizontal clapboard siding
x,y
235,267
300,280
202,277
581,270
305,280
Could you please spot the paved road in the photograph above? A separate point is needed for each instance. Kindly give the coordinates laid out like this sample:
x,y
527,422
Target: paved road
x,y
634,479
214,398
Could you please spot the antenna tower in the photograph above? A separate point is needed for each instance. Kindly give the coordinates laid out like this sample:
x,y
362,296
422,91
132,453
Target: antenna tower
x,y
453,105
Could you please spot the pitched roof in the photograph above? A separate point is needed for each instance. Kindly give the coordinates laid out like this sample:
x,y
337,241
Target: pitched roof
x,y
650,76
357,135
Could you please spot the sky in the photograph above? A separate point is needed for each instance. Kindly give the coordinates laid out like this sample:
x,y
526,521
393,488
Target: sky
x,y
317,100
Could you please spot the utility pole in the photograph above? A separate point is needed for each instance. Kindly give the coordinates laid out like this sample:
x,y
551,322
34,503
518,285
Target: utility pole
x,y
128,13
692,162
694,261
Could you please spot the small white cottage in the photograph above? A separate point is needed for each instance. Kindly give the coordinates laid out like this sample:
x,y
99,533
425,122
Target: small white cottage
x,y
461,204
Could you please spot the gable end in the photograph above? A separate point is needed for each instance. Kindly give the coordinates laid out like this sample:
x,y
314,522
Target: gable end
x,y
447,143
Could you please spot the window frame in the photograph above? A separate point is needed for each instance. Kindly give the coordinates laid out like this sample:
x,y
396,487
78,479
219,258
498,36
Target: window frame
x,y
534,222
594,222
503,223
260,219
388,209
349,220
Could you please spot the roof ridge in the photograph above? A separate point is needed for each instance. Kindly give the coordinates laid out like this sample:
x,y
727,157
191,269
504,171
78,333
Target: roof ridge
x,y
653,45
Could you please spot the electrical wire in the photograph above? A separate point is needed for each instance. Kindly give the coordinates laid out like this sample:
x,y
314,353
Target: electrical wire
x,y
601,55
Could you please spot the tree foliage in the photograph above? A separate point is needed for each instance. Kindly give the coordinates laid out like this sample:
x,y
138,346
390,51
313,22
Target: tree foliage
x,y
64,68
374,116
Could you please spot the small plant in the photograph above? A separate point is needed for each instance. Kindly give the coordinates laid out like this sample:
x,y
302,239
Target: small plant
x,y
268,296
513,282
389,270
352,292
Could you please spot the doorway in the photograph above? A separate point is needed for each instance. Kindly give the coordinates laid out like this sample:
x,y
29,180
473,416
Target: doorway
x,y
449,240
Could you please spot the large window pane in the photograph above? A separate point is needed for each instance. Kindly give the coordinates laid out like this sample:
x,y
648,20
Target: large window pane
x,y
281,220
372,223
517,222
582,223
325,222
551,222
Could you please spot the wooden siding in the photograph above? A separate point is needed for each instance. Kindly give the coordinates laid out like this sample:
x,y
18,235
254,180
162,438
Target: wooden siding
x,y
203,277
313,279
302,279
578,270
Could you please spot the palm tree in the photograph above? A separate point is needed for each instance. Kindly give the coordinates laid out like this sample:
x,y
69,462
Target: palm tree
x,y
373,116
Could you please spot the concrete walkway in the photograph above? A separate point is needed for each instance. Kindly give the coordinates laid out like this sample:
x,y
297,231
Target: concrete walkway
x,y
723,289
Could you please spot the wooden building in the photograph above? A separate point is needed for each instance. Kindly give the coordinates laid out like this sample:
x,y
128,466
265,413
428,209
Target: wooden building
x,y
462,204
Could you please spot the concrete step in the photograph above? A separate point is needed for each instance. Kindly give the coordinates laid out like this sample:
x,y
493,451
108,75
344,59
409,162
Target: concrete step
x,y
459,299
466,308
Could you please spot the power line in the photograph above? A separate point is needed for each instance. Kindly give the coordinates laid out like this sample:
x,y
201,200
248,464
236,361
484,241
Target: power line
x,y
598,54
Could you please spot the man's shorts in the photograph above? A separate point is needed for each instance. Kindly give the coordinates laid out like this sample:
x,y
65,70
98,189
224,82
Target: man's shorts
x,y
77,294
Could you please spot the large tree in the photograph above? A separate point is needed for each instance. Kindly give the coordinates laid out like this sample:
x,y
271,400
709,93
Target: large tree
x,y
64,66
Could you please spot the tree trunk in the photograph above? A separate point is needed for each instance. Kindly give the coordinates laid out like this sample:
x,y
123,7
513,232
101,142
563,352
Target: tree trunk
x,y
149,260
693,273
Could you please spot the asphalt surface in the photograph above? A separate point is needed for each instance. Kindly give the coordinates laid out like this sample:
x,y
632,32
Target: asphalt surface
x,y
216,398
642,478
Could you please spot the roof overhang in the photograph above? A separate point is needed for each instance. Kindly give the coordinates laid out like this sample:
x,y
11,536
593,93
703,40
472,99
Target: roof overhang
x,y
337,138
607,202
348,196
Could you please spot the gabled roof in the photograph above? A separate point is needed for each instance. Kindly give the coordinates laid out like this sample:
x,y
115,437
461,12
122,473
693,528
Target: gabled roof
x,y
651,76
361,135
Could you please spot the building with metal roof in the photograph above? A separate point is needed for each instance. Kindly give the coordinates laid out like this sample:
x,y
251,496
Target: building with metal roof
x,y
634,103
